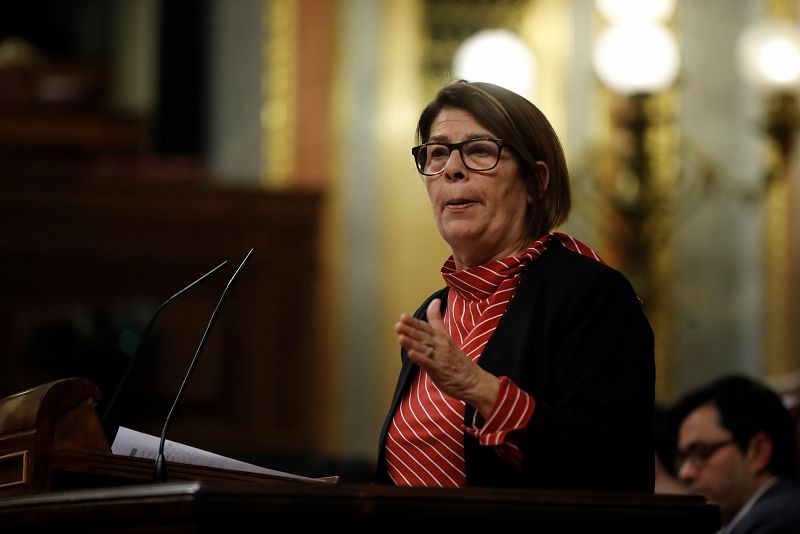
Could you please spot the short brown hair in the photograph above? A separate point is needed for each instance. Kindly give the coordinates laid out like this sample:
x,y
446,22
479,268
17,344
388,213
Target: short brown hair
x,y
525,130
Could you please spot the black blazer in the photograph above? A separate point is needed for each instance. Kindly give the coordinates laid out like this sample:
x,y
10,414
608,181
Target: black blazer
x,y
575,338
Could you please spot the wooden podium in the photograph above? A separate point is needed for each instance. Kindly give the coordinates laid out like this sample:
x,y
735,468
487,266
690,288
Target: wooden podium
x,y
51,440
57,473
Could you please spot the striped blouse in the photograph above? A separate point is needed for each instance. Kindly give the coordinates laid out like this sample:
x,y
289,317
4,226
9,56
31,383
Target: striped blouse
x,y
425,443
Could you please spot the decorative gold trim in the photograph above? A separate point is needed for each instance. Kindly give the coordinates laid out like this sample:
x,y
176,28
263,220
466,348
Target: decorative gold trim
x,y
23,475
776,276
278,89
446,24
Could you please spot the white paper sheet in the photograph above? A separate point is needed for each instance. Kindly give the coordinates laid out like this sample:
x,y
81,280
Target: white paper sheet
x,y
139,445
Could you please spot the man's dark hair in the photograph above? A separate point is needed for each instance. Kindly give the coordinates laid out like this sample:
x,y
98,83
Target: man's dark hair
x,y
664,437
746,408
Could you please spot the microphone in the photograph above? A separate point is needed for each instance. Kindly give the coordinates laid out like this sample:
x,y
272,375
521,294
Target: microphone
x,y
146,332
160,468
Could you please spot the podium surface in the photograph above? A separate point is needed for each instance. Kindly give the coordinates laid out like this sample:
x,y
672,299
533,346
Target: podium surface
x,y
217,506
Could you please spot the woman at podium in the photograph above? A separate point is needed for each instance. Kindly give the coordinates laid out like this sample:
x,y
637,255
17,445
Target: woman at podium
x,y
533,367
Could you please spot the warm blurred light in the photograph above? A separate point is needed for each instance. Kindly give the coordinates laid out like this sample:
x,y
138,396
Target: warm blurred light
x,y
637,57
619,10
499,57
769,54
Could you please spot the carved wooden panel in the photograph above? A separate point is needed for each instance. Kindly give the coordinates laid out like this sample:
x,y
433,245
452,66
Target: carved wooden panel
x,y
84,267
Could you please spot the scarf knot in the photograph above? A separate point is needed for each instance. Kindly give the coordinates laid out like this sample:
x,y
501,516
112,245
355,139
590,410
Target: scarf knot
x,y
481,282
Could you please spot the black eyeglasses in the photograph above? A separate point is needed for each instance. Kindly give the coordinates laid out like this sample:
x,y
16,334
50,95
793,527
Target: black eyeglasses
x,y
698,453
479,154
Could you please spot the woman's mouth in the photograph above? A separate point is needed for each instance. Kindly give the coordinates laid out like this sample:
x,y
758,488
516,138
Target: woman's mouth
x,y
458,204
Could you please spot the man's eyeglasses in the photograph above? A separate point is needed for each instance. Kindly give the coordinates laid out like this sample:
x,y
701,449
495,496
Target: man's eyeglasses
x,y
697,454
480,154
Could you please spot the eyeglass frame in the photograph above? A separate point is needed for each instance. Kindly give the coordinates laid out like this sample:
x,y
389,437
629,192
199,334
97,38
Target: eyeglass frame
x,y
453,146
698,453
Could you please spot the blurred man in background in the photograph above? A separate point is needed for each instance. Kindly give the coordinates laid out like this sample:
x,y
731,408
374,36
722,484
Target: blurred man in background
x,y
736,447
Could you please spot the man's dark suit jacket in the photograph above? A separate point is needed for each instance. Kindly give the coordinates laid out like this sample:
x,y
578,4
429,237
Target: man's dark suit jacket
x,y
777,511
576,339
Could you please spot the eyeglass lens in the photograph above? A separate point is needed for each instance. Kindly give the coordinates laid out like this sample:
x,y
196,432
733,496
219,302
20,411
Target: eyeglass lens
x,y
697,454
477,155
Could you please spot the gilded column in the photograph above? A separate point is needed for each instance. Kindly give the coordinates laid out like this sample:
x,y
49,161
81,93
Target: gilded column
x,y
780,284
780,326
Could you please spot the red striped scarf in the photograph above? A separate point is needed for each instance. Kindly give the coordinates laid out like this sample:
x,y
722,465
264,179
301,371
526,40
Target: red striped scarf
x,y
425,443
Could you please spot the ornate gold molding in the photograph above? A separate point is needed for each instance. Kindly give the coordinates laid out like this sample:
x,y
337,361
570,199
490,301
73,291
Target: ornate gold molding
x,y
447,23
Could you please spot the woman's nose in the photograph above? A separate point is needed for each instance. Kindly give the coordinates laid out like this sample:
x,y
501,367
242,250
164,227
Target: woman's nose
x,y
455,169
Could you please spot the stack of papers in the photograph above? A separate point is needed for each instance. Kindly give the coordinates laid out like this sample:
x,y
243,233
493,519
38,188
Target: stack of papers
x,y
139,445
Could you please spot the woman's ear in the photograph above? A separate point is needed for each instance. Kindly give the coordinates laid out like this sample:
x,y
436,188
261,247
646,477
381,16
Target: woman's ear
x,y
542,182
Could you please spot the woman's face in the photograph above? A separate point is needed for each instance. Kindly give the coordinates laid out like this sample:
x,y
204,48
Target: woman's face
x,y
480,214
